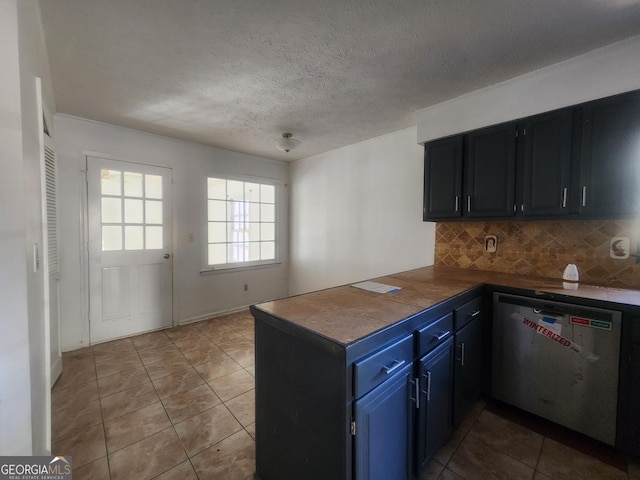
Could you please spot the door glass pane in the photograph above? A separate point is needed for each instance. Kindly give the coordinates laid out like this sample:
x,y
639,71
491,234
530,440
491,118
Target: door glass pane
x,y
111,210
217,189
267,193
251,192
267,213
153,186
217,253
132,184
133,211
110,182
267,250
217,232
235,190
111,238
153,211
153,238
267,231
133,237
217,210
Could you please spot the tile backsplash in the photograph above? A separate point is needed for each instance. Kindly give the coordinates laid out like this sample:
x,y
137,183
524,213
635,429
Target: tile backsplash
x,y
542,248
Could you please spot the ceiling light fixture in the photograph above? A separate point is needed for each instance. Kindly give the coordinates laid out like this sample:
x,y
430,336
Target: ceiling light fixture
x,y
287,142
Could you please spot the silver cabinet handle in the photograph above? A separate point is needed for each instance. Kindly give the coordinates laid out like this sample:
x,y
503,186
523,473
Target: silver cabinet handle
x,y
584,196
457,203
564,197
396,365
462,354
468,203
442,335
474,314
428,392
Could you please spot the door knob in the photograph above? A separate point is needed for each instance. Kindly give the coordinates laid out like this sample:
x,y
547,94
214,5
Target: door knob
x,y
166,255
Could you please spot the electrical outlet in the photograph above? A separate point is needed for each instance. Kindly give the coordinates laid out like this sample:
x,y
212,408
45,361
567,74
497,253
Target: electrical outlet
x,y
490,243
246,287
190,237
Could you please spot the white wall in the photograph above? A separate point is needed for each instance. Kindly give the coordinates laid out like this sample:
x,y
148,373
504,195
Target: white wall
x,y
596,74
356,213
195,296
24,386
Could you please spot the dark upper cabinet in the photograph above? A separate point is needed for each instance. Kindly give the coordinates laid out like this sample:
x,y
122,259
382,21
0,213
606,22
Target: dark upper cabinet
x,y
547,163
610,162
490,171
443,178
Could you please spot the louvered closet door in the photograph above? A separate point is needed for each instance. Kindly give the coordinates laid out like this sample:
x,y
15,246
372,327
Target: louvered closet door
x,y
54,276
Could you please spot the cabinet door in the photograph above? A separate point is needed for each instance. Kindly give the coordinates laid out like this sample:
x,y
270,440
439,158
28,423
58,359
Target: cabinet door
x,y
490,171
610,164
468,368
547,163
434,411
384,429
443,178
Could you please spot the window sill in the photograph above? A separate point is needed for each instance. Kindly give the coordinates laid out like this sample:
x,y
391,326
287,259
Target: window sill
x,y
242,268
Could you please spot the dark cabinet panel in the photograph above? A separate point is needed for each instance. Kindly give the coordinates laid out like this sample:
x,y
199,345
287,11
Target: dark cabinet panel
x,y
610,163
384,430
434,413
443,178
628,413
547,163
490,171
468,370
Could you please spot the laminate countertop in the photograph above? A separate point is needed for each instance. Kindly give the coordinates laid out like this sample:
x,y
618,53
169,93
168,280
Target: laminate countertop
x,y
346,314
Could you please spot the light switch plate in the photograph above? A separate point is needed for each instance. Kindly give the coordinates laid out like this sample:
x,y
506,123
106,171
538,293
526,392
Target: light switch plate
x,y
619,248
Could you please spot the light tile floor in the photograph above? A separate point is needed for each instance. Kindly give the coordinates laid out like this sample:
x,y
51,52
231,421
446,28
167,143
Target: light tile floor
x,y
179,404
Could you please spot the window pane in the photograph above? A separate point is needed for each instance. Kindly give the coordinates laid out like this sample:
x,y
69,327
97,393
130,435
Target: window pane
x,y
217,253
235,190
111,210
254,251
132,184
254,232
267,250
110,182
153,186
133,238
267,193
217,210
267,231
237,212
217,188
153,238
111,238
217,232
251,192
132,211
237,252
267,213
253,212
153,211
237,232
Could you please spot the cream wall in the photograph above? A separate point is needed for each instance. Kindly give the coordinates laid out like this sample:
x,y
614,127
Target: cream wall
x,y
356,213
596,74
195,296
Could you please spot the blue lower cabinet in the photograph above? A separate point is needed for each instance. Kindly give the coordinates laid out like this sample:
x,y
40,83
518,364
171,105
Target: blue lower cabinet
x,y
383,429
435,405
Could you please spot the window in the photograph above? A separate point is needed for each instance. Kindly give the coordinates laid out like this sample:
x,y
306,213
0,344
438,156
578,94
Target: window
x,y
131,211
241,223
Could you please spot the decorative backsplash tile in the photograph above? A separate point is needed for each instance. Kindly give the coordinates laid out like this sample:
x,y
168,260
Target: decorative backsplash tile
x,y
541,248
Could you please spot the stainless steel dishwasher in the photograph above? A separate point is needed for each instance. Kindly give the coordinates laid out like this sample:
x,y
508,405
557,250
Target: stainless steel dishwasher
x,y
559,361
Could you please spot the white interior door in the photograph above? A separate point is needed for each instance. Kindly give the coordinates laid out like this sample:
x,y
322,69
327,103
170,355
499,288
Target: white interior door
x,y
130,254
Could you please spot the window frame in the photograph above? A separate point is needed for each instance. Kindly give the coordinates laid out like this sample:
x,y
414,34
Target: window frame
x,y
249,264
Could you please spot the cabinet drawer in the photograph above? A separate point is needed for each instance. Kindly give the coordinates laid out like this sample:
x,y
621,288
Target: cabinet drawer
x,y
432,334
468,312
371,371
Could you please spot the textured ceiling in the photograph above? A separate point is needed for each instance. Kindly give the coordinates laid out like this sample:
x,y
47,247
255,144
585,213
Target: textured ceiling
x,y
237,74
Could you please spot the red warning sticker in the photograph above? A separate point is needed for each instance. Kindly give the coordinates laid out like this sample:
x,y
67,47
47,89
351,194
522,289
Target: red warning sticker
x,y
579,321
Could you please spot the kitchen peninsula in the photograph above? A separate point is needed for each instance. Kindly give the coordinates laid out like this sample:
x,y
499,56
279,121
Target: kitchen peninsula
x,y
347,380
